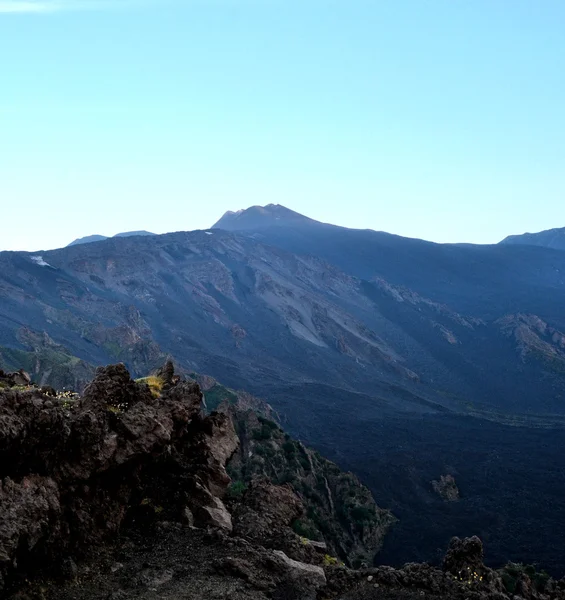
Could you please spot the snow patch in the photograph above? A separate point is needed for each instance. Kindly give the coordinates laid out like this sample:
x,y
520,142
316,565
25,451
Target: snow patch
x,y
39,261
208,233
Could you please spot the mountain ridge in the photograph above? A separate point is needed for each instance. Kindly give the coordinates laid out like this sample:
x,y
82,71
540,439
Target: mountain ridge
x,y
89,239
549,238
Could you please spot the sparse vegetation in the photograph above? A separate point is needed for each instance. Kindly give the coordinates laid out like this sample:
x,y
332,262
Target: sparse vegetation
x,y
218,394
264,433
236,490
330,561
306,530
362,515
154,383
513,572
268,424
328,494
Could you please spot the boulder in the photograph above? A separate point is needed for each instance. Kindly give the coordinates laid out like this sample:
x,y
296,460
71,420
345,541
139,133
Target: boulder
x,y
464,556
266,509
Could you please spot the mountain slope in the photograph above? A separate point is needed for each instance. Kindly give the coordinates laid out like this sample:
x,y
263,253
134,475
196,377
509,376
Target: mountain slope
x,y
551,238
483,281
222,302
257,316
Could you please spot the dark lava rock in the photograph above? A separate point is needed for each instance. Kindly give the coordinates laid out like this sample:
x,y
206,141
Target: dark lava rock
x,y
71,477
464,556
19,378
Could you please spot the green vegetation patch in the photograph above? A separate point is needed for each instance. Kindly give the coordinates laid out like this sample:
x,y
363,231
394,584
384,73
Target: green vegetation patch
x,y
512,572
236,490
218,394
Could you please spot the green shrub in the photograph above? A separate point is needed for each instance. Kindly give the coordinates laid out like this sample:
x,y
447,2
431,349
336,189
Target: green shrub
x,y
266,451
306,530
512,572
362,515
236,490
509,582
539,581
289,448
287,477
270,424
265,433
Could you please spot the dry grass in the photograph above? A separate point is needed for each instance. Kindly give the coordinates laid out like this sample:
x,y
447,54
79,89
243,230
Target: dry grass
x,y
155,384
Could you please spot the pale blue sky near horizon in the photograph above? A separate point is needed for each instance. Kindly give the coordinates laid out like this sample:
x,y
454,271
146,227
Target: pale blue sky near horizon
x,y
437,119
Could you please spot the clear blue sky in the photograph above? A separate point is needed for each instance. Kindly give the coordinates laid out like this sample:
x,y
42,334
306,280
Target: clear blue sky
x,y
439,119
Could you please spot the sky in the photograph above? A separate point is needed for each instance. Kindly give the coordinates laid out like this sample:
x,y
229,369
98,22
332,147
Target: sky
x,y
437,119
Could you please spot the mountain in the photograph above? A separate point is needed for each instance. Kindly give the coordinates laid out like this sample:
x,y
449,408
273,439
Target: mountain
x,y
89,239
100,238
551,238
255,217
258,316
485,281
401,360
132,233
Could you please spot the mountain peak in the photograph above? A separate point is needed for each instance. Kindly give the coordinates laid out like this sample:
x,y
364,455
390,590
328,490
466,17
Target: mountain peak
x,y
260,217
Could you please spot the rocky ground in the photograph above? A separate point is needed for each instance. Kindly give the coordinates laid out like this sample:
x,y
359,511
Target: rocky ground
x,y
121,494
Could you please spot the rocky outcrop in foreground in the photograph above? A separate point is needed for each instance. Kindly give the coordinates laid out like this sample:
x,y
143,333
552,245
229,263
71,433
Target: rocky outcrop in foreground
x,y
74,473
121,494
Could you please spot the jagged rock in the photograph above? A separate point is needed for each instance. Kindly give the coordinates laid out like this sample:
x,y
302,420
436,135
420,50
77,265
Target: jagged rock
x,y
523,587
320,546
265,510
69,569
446,488
167,374
18,378
266,451
97,455
265,515
113,386
464,556
311,576
30,512
206,508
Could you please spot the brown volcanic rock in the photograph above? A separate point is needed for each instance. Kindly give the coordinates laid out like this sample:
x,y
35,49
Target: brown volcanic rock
x,y
114,385
463,555
265,509
212,446
265,515
30,513
19,378
192,564
70,475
